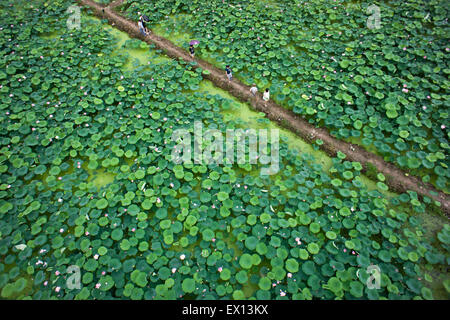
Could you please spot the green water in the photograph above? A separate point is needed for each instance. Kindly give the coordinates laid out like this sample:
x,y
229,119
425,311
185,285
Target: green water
x,y
101,178
137,57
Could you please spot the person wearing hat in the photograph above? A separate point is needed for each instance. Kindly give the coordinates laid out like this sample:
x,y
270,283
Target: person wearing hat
x,y
254,89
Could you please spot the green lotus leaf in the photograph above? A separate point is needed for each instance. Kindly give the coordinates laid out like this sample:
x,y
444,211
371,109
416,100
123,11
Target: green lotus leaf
x,y
242,277
335,285
222,196
265,284
91,265
356,289
292,265
313,248
245,261
101,204
188,285
208,235
331,235
265,218
426,293
251,243
225,274
303,254
238,295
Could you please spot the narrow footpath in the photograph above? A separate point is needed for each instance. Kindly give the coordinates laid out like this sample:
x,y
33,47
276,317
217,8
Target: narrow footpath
x,y
396,179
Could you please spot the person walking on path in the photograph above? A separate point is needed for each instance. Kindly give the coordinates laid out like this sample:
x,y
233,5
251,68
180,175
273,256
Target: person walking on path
x,y
192,51
142,27
229,74
266,95
254,89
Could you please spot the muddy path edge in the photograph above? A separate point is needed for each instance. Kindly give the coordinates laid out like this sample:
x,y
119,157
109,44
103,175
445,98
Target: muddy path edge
x,y
112,5
396,179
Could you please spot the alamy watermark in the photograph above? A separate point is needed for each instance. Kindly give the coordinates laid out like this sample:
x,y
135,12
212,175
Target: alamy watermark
x,y
74,280
374,280
374,20
209,147
74,20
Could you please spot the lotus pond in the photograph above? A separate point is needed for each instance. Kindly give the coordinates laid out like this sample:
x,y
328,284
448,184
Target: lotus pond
x,y
384,89
87,181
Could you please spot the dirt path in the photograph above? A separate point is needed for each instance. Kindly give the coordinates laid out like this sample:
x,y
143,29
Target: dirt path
x,y
395,177
114,4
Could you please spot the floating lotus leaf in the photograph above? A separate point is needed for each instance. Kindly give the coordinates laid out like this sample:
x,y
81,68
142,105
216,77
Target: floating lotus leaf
x,y
188,285
245,261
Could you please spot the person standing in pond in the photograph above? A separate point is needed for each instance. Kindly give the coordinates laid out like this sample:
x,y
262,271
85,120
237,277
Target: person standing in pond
x,y
229,74
192,51
254,89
